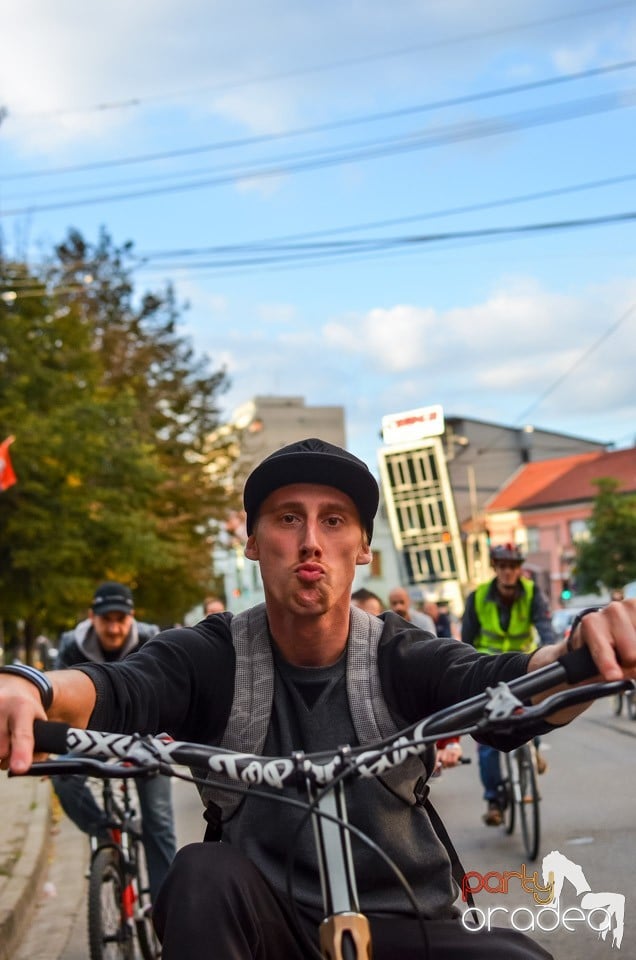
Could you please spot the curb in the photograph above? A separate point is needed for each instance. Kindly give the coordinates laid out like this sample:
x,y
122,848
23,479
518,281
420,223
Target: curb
x,y
29,800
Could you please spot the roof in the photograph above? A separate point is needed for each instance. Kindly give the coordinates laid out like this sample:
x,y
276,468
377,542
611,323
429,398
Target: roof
x,y
565,480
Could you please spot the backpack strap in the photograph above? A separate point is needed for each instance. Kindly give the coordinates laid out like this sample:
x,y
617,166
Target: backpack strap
x,y
251,709
370,714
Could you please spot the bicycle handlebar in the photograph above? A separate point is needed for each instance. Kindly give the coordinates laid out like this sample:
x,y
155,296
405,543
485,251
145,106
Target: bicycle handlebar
x,y
498,708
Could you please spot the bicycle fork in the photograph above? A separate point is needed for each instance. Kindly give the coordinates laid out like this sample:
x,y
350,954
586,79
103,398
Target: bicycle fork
x,y
344,933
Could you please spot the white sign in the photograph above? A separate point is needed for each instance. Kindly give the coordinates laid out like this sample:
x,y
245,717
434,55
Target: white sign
x,y
413,424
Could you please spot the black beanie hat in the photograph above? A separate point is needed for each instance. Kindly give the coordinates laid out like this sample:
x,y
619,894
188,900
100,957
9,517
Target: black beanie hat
x,y
313,461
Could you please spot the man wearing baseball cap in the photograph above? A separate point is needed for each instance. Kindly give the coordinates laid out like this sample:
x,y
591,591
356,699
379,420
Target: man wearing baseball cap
x,y
305,671
109,634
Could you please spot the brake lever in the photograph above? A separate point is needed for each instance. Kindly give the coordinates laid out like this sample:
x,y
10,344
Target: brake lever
x,y
572,696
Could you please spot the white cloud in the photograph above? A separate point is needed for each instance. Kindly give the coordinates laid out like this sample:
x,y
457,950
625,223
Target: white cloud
x,y
394,339
259,65
278,313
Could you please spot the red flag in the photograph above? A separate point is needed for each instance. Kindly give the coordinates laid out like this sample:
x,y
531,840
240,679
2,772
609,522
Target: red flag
x,y
7,473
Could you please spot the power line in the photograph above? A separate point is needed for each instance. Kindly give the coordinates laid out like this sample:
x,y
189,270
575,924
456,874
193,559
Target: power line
x,y
137,101
393,221
241,142
288,257
358,152
288,253
577,363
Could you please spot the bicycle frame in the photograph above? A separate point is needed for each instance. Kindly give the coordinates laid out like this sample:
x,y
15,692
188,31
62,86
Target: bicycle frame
x,y
126,834
344,932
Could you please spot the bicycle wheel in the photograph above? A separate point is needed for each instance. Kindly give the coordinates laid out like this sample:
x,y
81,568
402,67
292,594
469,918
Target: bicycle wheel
x,y
147,938
507,796
529,803
109,935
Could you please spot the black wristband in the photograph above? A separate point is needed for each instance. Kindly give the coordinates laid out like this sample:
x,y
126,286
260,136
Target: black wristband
x,y
577,621
40,680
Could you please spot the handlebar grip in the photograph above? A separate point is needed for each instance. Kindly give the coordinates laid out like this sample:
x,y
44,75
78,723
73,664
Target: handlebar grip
x,y
50,737
578,665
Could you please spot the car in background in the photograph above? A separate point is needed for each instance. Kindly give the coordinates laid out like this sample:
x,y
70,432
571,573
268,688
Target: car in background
x,y
562,620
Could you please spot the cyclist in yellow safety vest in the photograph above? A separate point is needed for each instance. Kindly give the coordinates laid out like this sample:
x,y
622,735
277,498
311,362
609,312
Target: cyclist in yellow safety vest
x,y
504,616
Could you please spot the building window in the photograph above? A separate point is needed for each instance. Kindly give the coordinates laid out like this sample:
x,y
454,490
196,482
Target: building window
x,y
533,539
579,531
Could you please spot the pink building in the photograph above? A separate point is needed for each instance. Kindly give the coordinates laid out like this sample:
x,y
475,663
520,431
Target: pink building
x,y
546,505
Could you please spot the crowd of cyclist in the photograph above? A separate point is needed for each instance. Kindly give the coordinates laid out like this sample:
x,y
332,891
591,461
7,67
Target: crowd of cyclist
x,y
308,671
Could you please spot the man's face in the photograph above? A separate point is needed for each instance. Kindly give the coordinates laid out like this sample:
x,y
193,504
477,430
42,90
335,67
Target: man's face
x,y
399,602
214,606
308,540
507,573
112,628
371,605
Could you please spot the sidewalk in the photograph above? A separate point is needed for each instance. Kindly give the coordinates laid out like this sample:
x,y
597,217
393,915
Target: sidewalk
x,y
25,837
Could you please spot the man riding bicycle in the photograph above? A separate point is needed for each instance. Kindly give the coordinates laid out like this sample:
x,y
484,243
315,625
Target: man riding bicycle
x,y
110,633
304,671
500,616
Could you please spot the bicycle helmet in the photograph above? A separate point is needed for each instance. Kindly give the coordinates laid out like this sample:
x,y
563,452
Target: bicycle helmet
x,y
506,551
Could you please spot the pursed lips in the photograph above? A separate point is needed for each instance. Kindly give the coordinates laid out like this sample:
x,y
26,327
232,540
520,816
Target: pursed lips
x,y
309,572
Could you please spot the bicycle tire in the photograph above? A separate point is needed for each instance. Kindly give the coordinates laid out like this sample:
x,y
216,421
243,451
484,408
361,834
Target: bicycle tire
x,y
529,803
149,946
109,935
508,797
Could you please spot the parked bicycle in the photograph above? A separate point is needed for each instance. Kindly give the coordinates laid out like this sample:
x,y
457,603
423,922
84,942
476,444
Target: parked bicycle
x,y
321,778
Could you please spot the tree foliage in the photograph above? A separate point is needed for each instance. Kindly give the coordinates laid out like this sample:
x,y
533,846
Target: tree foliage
x,y
112,414
608,558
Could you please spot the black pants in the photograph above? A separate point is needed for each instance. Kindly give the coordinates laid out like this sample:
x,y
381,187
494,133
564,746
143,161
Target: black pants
x,y
215,903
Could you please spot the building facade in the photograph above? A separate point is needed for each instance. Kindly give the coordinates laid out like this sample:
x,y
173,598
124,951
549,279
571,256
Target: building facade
x,y
545,508
438,474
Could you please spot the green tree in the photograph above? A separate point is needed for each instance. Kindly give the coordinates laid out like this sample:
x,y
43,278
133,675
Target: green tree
x,y
608,558
112,414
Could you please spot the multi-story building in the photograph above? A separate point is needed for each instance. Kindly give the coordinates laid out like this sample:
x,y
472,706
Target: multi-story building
x,y
438,473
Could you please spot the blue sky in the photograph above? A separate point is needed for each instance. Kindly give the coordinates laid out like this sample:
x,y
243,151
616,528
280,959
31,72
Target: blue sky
x,y
193,126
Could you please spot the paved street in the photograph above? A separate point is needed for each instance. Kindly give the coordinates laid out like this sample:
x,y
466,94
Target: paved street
x,y
587,815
